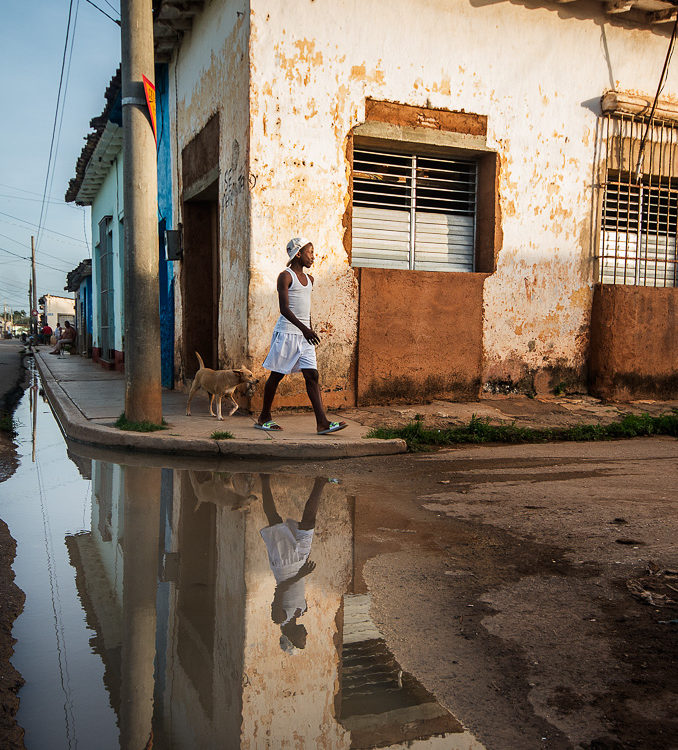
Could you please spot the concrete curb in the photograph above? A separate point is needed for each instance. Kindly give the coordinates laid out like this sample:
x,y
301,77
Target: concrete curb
x,y
77,428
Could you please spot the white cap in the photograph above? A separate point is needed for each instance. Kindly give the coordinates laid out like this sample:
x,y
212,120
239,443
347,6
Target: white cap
x,y
294,246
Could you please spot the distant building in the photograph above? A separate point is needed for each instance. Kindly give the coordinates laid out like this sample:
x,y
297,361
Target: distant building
x,y
56,310
80,283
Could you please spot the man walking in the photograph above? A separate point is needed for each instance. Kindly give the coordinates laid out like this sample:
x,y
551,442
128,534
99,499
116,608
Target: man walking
x,y
293,342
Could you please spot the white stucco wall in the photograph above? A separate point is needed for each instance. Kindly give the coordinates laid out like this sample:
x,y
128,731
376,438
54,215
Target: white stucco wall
x,y
536,73
59,309
108,202
209,75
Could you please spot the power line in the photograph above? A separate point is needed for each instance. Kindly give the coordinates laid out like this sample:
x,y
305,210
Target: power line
x,y
49,255
63,100
54,125
37,200
37,263
32,192
44,229
103,11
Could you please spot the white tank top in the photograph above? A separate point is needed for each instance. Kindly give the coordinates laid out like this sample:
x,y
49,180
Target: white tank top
x,y
300,304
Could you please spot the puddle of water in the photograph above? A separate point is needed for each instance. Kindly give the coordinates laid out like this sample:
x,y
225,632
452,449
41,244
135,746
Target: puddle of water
x,y
178,608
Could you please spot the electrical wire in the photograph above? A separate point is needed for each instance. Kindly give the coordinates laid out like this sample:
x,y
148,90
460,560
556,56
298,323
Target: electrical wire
x,y
103,11
112,7
60,258
63,101
662,81
44,229
37,263
56,118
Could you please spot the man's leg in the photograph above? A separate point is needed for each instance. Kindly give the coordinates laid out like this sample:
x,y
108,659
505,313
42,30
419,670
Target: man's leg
x,y
272,515
313,389
311,508
269,394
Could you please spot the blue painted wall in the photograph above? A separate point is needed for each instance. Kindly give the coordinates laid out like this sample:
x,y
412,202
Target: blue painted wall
x,y
86,293
166,273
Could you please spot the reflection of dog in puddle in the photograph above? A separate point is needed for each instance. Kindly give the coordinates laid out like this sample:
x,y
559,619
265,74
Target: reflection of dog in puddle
x,y
219,384
222,488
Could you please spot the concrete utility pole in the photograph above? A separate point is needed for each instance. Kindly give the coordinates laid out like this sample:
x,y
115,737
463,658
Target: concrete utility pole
x,y
34,293
143,391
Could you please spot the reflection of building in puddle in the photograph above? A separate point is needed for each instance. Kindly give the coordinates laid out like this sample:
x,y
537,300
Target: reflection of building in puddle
x,y
97,558
221,676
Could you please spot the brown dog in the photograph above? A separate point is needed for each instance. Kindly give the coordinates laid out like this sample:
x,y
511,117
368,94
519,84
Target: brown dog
x,y
219,383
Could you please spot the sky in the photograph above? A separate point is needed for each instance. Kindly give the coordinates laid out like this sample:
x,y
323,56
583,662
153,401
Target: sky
x,y
32,38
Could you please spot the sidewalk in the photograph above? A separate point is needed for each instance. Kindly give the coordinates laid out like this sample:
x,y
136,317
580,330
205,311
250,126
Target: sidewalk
x,y
87,400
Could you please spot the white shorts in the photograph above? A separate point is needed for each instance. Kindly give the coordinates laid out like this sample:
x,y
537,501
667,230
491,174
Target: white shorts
x,y
290,352
288,547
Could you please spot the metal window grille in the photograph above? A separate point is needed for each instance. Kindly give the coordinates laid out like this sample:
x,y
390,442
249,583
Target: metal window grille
x,y
413,212
639,217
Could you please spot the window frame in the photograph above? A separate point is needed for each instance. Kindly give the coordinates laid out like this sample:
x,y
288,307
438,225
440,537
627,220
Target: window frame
x,y
415,150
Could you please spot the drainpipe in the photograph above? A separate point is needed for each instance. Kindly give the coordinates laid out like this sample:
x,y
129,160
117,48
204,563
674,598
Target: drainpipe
x,y
143,393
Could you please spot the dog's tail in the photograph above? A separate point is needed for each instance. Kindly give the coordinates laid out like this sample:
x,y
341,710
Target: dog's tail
x,y
202,364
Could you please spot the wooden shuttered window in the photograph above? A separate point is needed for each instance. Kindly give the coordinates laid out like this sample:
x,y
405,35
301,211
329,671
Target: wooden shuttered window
x,y
413,211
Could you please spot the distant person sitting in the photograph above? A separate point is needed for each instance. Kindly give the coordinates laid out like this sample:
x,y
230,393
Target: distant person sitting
x,y
289,546
58,331
67,339
46,334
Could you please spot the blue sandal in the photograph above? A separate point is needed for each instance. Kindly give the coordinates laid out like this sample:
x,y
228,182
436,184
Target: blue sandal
x,y
268,426
334,427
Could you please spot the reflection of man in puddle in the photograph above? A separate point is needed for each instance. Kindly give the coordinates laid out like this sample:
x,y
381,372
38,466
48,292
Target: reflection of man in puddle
x,y
289,546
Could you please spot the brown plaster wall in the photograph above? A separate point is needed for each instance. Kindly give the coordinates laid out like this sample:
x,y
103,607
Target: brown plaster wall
x,y
634,343
427,117
419,335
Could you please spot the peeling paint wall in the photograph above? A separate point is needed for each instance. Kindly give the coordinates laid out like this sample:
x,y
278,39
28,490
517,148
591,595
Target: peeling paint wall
x,y
536,73
210,74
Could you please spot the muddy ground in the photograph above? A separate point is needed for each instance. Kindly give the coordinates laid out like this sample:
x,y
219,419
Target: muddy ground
x,y
533,589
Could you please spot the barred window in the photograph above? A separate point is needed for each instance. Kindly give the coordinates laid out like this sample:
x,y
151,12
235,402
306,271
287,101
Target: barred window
x,y
639,218
413,211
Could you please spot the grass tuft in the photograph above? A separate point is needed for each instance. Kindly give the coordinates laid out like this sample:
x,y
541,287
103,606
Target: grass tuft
x,y
479,430
123,423
222,435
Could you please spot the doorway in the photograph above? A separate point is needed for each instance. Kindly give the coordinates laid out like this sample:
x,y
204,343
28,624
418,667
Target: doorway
x,y
200,280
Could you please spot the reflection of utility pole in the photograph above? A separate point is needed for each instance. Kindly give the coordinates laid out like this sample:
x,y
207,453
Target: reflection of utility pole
x,y
34,406
34,291
139,586
143,393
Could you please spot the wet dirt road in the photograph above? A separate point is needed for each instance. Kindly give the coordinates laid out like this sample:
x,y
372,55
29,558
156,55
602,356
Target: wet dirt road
x,y
477,598
514,582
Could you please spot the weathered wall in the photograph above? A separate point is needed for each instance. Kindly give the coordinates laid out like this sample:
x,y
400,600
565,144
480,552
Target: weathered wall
x,y
424,341
634,343
210,75
536,73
